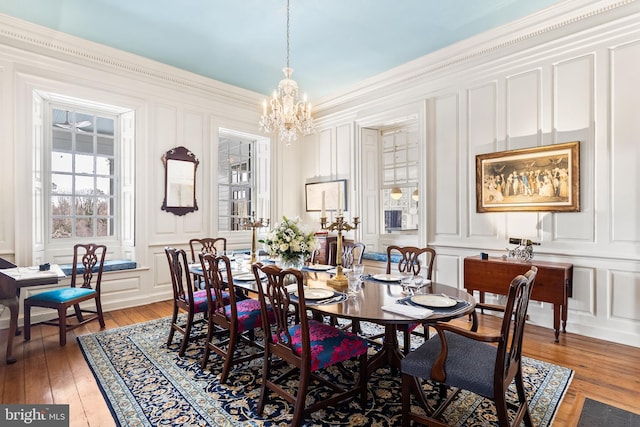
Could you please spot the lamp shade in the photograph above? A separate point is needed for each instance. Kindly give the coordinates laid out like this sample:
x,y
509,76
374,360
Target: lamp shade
x,y
415,196
396,193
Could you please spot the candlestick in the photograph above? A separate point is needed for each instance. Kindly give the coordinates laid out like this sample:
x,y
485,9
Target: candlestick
x,y
340,281
253,223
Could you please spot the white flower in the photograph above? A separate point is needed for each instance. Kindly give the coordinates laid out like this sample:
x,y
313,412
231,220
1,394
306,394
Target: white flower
x,y
290,240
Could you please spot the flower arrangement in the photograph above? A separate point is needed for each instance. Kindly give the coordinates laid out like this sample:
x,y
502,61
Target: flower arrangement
x,y
290,240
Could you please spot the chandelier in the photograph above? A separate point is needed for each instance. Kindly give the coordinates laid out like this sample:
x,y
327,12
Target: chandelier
x,y
285,113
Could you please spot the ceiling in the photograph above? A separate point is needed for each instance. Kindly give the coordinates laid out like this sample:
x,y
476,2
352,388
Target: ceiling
x,y
334,43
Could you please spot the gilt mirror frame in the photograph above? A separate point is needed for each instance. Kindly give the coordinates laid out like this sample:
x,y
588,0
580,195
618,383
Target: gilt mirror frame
x,y
180,166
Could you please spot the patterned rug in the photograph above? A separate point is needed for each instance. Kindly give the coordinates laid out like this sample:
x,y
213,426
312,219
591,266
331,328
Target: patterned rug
x,y
145,383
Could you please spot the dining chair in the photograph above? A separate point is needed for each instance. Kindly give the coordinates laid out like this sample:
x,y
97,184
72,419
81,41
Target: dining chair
x,y
485,364
185,298
307,346
410,261
352,253
237,317
210,245
88,264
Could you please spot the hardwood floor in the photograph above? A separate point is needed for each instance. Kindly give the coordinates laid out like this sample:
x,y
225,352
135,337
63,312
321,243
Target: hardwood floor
x,y
47,373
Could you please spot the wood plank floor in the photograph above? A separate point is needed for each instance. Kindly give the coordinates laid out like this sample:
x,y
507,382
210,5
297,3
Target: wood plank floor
x,y
47,373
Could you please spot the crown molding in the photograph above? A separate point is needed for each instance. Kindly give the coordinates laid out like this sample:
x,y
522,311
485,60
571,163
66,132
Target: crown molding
x,y
43,41
565,18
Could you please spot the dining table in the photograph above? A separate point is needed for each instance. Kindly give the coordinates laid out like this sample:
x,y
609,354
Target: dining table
x,y
12,279
381,300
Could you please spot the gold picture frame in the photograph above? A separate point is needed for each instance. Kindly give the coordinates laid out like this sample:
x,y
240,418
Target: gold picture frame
x,y
543,179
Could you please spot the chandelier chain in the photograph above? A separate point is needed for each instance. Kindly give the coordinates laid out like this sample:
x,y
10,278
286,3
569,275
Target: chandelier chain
x,y
285,113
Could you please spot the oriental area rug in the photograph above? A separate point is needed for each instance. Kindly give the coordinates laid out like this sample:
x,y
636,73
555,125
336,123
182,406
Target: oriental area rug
x,y
146,383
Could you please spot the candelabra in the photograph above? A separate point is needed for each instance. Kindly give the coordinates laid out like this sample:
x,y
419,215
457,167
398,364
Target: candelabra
x,y
253,223
339,225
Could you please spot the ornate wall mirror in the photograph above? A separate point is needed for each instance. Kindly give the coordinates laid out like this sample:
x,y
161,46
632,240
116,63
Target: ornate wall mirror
x,y
179,181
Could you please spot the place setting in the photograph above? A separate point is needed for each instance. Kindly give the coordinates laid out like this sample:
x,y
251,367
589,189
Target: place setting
x,y
319,296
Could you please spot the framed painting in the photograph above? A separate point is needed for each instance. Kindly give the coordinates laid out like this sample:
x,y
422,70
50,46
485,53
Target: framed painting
x,y
545,179
333,192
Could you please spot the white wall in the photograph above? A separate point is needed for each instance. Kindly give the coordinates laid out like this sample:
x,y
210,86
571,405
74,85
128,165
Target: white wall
x,y
566,75
172,108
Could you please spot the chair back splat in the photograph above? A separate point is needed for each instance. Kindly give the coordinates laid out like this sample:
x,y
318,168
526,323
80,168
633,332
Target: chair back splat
x,y
306,345
184,296
232,316
482,363
88,264
410,259
352,253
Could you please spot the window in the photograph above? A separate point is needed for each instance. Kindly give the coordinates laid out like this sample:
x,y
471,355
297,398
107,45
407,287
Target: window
x,y
243,178
83,172
399,190
83,176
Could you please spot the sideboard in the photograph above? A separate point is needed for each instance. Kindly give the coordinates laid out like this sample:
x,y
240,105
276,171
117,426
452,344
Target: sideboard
x,y
553,284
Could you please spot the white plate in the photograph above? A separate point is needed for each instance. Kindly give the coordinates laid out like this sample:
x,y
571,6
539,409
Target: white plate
x,y
319,267
316,293
387,277
433,300
245,277
335,271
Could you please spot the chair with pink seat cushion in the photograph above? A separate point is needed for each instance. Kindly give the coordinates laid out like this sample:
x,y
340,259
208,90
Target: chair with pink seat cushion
x,y
239,317
307,346
185,298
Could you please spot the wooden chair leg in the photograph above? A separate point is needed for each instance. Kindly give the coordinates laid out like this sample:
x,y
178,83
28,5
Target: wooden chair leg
x,y
172,329
187,334
100,314
62,320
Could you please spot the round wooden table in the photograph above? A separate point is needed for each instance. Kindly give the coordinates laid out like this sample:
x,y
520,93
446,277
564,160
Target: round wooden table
x,y
367,306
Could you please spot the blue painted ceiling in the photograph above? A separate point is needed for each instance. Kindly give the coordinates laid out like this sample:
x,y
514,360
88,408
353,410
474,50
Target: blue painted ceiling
x,y
334,43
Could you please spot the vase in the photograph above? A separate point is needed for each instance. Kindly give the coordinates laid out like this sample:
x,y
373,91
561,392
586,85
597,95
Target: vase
x,y
292,262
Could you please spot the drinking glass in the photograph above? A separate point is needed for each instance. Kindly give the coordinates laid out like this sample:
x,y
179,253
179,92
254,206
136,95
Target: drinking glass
x,y
407,282
353,283
358,269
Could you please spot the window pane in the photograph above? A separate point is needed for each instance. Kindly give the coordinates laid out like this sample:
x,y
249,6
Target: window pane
x,y
62,140
105,146
104,206
84,164
61,183
84,205
61,228
60,205
84,122
61,162
104,166
103,227
84,227
105,126
84,143
84,185
104,186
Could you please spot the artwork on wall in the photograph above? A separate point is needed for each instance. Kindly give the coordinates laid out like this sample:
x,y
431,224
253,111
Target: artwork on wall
x,y
180,181
543,179
335,195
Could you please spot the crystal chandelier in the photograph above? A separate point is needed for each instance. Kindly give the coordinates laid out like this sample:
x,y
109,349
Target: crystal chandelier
x,y
286,114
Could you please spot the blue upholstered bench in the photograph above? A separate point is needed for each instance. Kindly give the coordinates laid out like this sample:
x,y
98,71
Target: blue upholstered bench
x,y
112,265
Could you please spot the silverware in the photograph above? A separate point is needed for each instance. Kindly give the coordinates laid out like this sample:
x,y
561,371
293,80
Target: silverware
x,y
332,299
